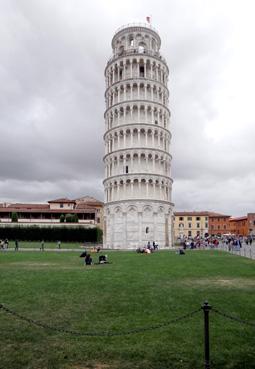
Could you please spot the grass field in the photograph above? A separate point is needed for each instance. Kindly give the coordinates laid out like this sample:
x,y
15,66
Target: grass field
x,y
135,290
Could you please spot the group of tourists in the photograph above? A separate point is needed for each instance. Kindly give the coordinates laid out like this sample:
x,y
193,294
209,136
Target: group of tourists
x,y
102,259
236,243
148,249
198,243
233,242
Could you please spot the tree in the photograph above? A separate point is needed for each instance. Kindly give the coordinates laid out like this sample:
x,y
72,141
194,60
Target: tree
x,y
69,218
14,217
75,218
62,218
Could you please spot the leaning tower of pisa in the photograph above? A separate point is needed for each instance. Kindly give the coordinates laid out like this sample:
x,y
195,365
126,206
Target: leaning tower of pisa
x,y
137,137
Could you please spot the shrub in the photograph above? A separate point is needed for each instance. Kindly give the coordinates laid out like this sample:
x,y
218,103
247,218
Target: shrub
x,y
63,233
69,218
14,217
75,218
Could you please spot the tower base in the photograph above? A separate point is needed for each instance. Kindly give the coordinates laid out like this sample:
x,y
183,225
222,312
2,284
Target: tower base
x,y
132,224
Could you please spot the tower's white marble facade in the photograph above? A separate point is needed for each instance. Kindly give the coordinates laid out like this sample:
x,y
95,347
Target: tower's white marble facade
x,y
138,182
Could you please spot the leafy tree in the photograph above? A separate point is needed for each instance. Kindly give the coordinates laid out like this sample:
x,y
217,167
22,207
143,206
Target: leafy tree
x,y
69,218
75,218
62,218
14,217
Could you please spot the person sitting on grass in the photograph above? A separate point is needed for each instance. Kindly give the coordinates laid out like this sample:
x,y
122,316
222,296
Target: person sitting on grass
x,y
103,259
88,260
181,252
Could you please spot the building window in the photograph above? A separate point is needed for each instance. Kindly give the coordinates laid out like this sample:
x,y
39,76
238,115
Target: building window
x,y
206,225
147,230
212,227
218,227
180,218
61,205
98,220
224,226
189,233
197,218
189,225
198,225
126,169
206,218
198,233
181,225
141,71
189,218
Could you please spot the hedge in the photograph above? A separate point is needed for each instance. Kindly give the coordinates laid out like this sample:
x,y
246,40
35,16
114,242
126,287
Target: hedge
x,y
60,233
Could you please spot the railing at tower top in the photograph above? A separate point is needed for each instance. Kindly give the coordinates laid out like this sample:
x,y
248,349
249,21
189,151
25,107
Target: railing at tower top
x,y
137,51
145,25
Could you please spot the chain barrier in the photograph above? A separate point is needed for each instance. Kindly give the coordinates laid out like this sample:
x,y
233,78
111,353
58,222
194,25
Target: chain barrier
x,y
231,317
102,333
124,332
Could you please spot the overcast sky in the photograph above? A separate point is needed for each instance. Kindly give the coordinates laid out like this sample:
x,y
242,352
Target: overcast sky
x,y
52,59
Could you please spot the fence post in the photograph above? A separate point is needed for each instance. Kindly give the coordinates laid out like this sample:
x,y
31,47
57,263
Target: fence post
x,y
206,308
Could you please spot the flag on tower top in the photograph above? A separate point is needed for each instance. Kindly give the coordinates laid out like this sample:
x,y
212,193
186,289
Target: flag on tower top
x,y
148,19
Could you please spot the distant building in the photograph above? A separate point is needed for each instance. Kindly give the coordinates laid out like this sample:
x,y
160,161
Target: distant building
x,y
251,224
239,226
191,224
219,224
88,210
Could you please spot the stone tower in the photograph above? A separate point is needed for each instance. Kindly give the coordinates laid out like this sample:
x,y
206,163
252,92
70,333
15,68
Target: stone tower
x,y
137,182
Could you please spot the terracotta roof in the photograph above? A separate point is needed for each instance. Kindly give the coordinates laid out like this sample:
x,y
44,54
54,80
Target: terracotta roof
x,y
238,218
184,213
27,206
201,213
62,200
84,206
218,215
88,200
11,209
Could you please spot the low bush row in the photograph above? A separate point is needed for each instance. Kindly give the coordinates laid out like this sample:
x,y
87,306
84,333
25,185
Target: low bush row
x,y
63,233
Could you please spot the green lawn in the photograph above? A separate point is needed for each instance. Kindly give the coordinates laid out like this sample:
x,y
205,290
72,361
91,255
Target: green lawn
x,y
136,290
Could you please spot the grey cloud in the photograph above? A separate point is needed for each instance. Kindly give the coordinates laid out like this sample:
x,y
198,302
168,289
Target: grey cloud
x,y
52,60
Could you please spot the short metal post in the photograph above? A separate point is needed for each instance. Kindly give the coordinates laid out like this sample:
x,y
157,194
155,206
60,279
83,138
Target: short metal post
x,y
206,308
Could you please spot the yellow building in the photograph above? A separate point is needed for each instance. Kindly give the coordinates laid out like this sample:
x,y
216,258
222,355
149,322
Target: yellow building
x,y
191,224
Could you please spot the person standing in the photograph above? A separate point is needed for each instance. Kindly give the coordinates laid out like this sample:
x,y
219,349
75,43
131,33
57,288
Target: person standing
x,y
59,245
16,245
6,243
42,245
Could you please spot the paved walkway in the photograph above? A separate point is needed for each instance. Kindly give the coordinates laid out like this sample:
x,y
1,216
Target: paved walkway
x,y
11,249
